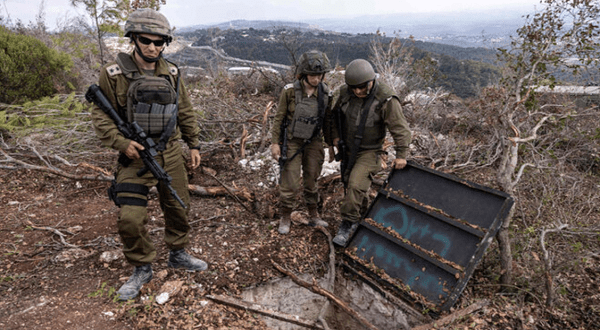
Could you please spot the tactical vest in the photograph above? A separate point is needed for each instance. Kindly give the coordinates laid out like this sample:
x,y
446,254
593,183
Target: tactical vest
x,y
306,112
374,133
151,100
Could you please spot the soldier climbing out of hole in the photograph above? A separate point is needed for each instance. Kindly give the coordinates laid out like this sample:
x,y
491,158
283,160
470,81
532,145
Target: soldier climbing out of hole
x,y
297,137
144,88
363,109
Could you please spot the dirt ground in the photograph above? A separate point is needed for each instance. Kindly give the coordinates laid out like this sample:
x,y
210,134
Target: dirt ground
x,y
54,230
50,281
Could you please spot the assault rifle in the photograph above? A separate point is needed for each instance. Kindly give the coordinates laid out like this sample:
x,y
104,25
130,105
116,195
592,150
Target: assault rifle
x,y
342,154
134,132
283,140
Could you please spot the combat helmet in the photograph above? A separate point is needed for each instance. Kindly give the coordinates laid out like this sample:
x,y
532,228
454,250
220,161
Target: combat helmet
x,y
313,62
146,20
359,72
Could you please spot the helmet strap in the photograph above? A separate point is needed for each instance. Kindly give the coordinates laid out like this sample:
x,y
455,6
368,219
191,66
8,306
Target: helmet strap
x,y
144,57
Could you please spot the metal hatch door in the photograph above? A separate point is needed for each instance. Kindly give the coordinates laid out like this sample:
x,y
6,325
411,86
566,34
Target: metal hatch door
x,y
425,233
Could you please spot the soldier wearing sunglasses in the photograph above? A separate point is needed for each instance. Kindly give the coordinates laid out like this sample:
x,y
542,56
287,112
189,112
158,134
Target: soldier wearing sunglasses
x,y
144,87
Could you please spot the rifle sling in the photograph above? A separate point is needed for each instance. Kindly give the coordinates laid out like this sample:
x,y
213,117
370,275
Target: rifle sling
x,y
166,134
358,136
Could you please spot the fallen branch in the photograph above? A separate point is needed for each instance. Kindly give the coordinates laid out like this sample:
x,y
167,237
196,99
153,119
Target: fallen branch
x,y
106,176
23,165
454,316
243,140
314,287
548,263
229,191
330,277
55,231
323,181
263,129
191,223
219,191
264,311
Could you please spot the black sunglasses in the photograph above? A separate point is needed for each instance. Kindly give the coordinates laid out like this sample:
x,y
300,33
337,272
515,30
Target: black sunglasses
x,y
147,41
361,86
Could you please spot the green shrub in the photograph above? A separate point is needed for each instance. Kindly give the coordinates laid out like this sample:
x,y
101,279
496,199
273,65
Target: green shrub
x,y
28,67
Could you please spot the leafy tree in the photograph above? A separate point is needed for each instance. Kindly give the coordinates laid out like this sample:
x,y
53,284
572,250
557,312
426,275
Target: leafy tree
x,y
154,4
397,64
548,42
106,15
28,68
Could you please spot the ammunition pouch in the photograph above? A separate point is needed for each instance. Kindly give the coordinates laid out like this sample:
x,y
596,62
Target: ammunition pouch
x,y
305,119
153,118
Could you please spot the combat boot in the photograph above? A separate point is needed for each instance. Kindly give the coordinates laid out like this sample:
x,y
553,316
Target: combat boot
x,y
131,288
314,219
346,230
285,221
181,259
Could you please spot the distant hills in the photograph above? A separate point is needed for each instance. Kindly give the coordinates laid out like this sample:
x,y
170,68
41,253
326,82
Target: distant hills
x,y
463,71
463,43
491,28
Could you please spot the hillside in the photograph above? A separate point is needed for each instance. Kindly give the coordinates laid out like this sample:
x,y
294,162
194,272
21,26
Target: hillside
x,y
61,251
462,71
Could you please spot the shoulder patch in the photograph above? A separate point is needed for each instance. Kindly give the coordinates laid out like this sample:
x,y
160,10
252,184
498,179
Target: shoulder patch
x,y
288,86
173,70
113,70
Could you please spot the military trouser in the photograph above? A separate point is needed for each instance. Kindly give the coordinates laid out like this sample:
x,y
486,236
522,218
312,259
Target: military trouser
x,y
356,201
305,168
137,245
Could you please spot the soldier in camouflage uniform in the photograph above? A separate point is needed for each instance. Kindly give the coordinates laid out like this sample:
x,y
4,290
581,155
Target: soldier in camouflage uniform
x,y
384,110
144,87
304,123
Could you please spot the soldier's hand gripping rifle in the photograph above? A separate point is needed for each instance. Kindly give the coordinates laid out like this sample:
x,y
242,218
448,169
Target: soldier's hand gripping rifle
x,y
134,132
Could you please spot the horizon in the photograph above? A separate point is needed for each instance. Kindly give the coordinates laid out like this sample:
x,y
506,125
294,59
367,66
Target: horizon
x,y
185,14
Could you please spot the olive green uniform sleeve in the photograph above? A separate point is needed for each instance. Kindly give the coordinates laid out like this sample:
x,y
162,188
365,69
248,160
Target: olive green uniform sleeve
x,y
330,117
397,126
328,122
104,126
187,120
282,110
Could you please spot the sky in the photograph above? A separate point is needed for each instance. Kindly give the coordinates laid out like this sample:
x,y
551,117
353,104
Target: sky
x,y
183,13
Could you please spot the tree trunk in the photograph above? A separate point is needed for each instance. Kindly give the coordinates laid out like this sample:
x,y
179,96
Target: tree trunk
x,y
505,175
503,238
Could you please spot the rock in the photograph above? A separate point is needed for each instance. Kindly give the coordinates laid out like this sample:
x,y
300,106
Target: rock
x,y
162,298
71,255
171,287
75,229
162,274
110,256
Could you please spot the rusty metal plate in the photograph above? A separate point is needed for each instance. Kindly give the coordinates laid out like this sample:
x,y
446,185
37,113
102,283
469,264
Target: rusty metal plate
x,y
425,233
